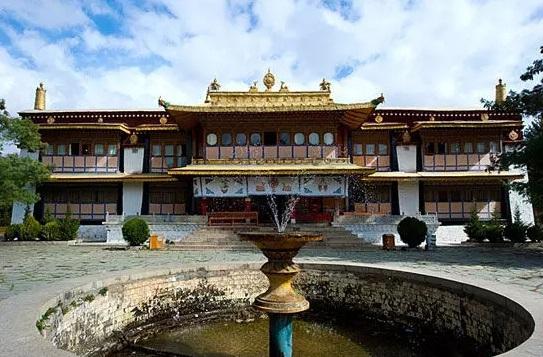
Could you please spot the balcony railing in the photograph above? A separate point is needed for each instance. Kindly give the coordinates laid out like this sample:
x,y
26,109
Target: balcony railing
x,y
161,164
458,162
89,163
86,211
272,152
167,208
379,162
462,210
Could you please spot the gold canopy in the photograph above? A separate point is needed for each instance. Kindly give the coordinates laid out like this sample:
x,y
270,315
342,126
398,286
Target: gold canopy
x,y
268,101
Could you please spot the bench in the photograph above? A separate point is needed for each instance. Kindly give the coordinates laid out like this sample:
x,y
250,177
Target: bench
x,y
232,218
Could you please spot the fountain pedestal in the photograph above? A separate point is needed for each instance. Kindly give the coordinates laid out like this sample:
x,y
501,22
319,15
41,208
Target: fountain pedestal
x,y
280,301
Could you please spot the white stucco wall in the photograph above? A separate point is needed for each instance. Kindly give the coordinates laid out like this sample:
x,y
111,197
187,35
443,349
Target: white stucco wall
x,y
133,160
408,196
407,158
516,200
18,210
132,198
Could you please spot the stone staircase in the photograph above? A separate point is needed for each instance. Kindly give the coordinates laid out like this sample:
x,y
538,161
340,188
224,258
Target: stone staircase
x,y
225,238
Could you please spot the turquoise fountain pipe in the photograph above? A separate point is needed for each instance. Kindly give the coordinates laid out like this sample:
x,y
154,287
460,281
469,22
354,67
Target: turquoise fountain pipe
x,y
280,335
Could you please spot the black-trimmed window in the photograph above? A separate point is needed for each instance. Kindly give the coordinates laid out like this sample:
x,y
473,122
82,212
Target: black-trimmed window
x,y
430,148
382,149
299,139
226,139
357,149
441,148
284,139
454,148
370,149
468,148
314,139
481,148
241,139
99,149
211,139
328,139
255,139
270,138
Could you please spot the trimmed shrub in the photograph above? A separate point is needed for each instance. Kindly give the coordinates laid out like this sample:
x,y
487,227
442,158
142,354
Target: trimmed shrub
x,y
51,230
68,226
30,229
535,233
412,231
493,230
515,231
135,231
474,229
13,231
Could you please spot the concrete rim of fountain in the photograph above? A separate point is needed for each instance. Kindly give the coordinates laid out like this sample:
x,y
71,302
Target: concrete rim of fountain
x,y
20,336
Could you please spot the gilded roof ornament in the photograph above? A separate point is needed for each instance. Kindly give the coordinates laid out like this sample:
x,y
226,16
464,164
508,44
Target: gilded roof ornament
x,y
406,137
484,117
50,120
163,120
379,119
214,86
284,87
100,120
325,85
253,87
268,80
163,103
432,118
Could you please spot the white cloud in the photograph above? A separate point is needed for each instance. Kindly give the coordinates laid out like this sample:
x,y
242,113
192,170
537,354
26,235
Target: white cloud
x,y
424,53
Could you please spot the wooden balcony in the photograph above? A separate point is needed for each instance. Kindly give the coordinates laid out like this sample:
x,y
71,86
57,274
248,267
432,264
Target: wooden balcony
x,y
272,152
457,162
89,163
462,210
379,162
161,164
82,211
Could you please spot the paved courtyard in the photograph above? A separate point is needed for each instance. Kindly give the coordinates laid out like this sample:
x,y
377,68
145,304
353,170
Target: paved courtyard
x,y
27,266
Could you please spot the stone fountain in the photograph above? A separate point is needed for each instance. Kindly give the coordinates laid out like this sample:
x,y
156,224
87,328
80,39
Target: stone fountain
x,y
280,301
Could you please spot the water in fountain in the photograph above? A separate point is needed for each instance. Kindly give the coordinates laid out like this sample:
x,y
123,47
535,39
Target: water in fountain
x,y
281,218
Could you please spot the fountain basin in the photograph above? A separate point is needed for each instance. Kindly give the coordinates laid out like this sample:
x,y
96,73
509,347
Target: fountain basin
x,y
495,317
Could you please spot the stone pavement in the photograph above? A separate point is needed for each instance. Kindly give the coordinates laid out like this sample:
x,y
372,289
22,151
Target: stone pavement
x,y
28,266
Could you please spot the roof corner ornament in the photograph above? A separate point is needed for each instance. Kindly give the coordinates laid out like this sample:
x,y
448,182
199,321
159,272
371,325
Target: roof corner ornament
x,y
378,100
268,80
253,87
214,86
284,87
162,103
325,85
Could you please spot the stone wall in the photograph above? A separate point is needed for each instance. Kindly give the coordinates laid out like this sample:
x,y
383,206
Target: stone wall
x,y
88,320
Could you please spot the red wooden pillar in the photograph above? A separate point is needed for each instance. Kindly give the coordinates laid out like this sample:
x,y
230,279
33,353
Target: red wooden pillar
x,y
204,204
248,204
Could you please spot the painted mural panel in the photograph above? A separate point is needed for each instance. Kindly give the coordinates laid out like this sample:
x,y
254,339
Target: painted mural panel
x,y
241,187
322,186
274,184
223,187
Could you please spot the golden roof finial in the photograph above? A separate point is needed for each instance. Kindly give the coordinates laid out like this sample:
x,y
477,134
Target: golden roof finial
x,y
325,85
284,87
501,93
268,80
253,87
39,100
214,86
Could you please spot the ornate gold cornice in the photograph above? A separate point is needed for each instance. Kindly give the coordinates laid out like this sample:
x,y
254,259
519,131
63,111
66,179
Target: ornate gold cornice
x,y
109,177
419,125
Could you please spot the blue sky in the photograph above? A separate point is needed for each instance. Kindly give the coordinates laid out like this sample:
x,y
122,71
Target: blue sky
x,y
125,54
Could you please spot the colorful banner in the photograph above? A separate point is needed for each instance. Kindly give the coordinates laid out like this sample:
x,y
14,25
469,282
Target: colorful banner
x,y
323,186
313,186
273,184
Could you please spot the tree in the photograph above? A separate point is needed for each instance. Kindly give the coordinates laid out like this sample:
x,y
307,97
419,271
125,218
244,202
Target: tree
x,y
529,103
17,174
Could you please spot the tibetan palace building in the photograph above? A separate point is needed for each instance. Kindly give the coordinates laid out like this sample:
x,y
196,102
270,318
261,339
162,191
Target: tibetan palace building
x,y
214,163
